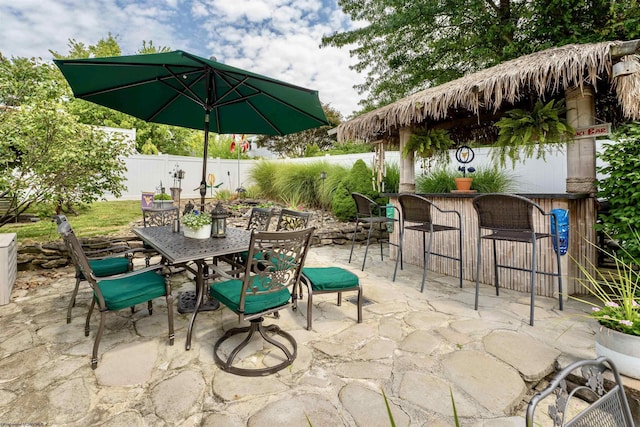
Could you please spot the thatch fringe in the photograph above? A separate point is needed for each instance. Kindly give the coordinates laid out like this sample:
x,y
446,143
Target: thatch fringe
x,y
552,70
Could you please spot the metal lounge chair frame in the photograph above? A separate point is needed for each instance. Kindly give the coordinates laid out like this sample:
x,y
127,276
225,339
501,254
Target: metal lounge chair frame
x,y
608,408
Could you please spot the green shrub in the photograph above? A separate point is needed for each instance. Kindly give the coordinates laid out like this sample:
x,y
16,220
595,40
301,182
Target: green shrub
x,y
162,196
263,175
357,180
620,187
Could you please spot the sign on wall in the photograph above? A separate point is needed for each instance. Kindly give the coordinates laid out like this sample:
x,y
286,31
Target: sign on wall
x,y
603,129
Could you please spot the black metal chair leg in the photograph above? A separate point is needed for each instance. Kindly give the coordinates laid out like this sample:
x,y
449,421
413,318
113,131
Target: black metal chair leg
x,y
533,279
353,241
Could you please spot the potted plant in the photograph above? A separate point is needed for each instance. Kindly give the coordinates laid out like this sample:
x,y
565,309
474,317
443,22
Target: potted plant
x,y
196,225
617,310
531,132
162,200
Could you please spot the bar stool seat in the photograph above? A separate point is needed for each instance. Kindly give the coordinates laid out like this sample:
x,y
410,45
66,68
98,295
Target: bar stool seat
x,y
324,280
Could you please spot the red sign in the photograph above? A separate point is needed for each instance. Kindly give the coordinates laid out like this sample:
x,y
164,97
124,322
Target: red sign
x,y
593,131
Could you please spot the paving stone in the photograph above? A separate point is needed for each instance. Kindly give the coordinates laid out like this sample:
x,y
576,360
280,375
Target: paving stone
x,y
69,401
420,342
426,319
433,393
363,370
367,407
231,387
532,358
176,397
125,419
376,349
21,340
140,357
391,328
495,385
306,409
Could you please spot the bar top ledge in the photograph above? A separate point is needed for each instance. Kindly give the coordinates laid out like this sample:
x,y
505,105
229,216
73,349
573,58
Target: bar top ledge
x,y
563,196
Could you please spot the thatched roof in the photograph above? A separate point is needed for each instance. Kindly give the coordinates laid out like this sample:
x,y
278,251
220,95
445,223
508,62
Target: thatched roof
x,y
542,73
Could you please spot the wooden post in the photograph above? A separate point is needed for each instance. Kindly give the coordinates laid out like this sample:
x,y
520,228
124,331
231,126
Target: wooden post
x,y
581,154
407,165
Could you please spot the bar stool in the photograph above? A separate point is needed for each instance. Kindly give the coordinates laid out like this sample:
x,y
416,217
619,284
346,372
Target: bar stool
x,y
509,217
417,211
370,212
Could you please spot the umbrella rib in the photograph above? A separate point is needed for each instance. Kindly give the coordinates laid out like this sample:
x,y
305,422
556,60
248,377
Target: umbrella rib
x,y
226,78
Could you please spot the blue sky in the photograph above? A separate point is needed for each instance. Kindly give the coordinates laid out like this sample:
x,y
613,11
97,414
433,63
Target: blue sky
x,y
278,38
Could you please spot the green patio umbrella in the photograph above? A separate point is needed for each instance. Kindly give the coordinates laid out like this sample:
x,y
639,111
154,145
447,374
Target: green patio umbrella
x,y
181,89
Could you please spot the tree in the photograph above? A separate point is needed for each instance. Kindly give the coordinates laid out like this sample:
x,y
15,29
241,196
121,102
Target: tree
x,y
46,155
297,144
408,46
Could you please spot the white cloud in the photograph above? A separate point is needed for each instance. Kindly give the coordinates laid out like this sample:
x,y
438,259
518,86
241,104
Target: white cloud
x,y
278,38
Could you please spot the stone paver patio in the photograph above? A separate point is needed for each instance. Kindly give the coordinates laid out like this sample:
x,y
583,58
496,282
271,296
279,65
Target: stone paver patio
x,y
415,347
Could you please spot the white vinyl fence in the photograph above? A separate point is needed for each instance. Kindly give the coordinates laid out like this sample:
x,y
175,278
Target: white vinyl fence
x,y
147,172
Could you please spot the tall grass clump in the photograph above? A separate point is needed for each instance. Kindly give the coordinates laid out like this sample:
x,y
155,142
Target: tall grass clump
x,y
263,175
392,177
485,180
298,185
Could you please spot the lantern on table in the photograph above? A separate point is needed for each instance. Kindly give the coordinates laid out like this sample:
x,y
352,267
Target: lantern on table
x,y
219,221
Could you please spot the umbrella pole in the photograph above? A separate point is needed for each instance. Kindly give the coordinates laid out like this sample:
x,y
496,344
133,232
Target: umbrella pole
x,y
203,182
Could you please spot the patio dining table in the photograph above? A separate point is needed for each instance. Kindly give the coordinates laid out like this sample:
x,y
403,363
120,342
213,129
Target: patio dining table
x,y
179,250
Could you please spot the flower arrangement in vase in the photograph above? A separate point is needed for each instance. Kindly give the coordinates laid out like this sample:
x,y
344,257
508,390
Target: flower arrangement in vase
x,y
196,225
617,309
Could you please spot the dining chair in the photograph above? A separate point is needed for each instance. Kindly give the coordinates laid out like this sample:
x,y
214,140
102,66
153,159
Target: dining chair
x,y
325,280
266,286
117,292
417,214
289,220
509,217
370,213
106,259
259,219
157,217
606,407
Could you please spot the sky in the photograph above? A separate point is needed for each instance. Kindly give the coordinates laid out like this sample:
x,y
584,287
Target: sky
x,y
277,38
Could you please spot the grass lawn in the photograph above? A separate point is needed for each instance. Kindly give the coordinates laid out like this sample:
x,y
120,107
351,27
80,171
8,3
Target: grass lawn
x,y
99,219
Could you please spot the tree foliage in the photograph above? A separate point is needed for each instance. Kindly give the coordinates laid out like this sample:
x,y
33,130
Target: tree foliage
x,y
621,171
46,155
405,46
298,144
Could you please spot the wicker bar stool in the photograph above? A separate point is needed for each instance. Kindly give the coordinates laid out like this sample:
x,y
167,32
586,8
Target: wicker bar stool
x,y
417,212
509,217
370,212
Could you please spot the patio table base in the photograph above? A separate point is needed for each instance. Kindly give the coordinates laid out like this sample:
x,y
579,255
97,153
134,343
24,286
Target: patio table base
x,y
187,303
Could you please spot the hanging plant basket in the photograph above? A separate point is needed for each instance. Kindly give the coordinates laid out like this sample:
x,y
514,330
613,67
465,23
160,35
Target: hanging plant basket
x,y
523,134
429,144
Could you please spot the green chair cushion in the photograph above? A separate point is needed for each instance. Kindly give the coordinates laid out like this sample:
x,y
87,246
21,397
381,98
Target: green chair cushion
x,y
128,291
108,266
329,278
228,293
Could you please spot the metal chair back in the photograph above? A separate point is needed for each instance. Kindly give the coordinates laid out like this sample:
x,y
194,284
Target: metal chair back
x,y
290,220
608,408
260,219
507,212
159,217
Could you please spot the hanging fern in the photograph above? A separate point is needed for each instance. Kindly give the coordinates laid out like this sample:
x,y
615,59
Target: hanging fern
x,y
531,133
429,144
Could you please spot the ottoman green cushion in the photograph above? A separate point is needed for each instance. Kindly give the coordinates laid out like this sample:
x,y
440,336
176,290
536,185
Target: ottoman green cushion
x,y
330,278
